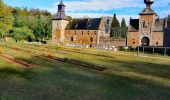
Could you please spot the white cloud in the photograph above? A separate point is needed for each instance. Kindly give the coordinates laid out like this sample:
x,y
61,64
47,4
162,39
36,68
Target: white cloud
x,y
97,5
94,8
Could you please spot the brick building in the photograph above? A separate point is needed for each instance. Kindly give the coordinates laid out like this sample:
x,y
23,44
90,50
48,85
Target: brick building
x,y
149,29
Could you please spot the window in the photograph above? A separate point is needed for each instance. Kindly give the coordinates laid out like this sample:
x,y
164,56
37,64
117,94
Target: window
x,y
145,24
82,32
72,39
88,32
94,32
91,39
75,33
157,43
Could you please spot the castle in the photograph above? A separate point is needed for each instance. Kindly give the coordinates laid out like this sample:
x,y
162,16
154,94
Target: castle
x,y
148,30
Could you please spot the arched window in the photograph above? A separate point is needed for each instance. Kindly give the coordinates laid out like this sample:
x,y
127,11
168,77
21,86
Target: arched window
x,y
91,39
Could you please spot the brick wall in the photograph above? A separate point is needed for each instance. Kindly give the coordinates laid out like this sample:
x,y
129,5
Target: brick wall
x,y
133,39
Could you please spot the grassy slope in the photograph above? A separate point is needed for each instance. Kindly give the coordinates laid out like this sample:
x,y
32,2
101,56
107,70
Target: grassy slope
x,y
130,78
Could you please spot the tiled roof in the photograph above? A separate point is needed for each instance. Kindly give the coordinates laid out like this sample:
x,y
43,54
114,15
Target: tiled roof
x,y
84,24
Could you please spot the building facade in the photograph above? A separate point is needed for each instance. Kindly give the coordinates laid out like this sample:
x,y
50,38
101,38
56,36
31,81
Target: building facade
x,y
148,30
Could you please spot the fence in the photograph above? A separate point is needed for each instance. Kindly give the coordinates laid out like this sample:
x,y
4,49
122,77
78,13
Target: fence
x,y
151,50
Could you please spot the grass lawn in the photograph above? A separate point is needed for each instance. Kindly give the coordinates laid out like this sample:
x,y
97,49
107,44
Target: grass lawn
x,y
127,77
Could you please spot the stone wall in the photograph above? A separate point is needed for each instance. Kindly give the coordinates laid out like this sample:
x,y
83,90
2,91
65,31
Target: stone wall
x,y
110,41
157,39
133,39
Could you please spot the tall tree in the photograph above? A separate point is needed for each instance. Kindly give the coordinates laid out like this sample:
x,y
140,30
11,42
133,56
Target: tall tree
x,y
6,20
123,28
115,27
115,22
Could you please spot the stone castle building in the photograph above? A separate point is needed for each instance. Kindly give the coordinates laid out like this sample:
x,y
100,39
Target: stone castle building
x,y
149,29
78,31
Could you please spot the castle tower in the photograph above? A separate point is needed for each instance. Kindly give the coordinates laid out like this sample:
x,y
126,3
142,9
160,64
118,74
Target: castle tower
x,y
59,23
146,24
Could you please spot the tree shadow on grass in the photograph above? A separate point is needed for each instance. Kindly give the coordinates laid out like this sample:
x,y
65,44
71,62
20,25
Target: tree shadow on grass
x,y
160,70
56,80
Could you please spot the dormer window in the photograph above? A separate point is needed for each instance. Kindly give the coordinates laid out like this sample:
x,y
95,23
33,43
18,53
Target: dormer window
x,y
76,25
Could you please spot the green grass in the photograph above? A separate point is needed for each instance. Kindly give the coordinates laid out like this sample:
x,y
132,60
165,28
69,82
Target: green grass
x,y
128,78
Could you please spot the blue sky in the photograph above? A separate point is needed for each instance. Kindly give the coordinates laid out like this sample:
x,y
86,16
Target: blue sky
x,y
96,8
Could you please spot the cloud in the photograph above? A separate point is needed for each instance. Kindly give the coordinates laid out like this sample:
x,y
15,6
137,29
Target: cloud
x,y
123,8
97,5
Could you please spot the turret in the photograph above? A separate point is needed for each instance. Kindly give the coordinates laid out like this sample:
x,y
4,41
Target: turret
x,y
59,23
60,13
148,3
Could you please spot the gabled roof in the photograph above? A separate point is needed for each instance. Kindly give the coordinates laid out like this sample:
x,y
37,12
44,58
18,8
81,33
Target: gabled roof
x,y
84,24
134,25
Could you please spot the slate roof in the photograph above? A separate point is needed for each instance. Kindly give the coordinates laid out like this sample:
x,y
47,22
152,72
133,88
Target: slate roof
x,y
61,13
134,25
147,11
59,16
84,24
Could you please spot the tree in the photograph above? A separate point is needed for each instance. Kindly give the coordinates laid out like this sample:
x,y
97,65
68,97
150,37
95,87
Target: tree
x,y
115,27
115,22
69,18
123,28
6,20
22,20
23,34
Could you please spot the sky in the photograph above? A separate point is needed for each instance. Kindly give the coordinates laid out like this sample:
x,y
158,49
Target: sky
x,y
96,8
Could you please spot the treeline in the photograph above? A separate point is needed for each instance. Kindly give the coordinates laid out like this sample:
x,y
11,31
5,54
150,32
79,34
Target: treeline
x,y
118,30
24,24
